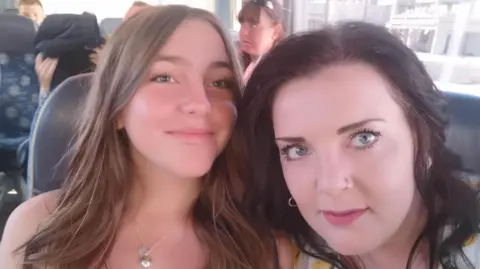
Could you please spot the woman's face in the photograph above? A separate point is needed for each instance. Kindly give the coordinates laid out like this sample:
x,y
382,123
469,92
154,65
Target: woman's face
x,y
347,154
180,118
257,34
33,12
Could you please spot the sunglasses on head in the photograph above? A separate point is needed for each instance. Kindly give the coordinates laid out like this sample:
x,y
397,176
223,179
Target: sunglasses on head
x,y
263,3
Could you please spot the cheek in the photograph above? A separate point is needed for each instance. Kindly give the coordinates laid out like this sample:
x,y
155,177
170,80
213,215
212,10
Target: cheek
x,y
243,32
267,36
147,110
300,183
263,39
257,38
223,117
385,176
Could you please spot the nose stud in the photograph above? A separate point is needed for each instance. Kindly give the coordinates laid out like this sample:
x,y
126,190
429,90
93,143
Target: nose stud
x,y
348,184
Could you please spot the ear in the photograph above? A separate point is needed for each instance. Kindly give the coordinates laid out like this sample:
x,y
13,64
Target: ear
x,y
119,123
278,32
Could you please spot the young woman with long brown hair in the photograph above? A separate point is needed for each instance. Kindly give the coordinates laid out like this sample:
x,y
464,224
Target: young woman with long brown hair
x,y
153,182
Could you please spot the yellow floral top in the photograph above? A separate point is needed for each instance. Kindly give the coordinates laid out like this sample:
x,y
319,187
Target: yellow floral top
x,y
471,250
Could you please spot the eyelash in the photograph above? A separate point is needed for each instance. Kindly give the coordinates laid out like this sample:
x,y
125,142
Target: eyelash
x,y
229,84
284,150
154,78
366,131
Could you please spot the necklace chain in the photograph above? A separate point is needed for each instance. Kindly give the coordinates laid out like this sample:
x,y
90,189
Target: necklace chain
x,y
144,246
144,251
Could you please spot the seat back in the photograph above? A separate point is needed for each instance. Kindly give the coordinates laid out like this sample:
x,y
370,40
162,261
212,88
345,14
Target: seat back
x,y
109,25
53,133
19,85
11,11
463,134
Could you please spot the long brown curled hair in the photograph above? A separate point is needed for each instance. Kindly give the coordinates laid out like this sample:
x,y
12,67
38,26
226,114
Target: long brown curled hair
x,y
82,228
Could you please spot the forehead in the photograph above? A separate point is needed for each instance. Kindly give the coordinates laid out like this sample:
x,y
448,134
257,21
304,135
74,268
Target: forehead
x,y
30,8
334,96
196,40
254,14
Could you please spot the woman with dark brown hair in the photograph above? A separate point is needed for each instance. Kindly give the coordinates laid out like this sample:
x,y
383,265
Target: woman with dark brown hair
x,y
154,181
345,141
261,28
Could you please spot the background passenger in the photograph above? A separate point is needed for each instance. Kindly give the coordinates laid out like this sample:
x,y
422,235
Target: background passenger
x,y
345,134
45,68
134,9
261,28
32,9
71,38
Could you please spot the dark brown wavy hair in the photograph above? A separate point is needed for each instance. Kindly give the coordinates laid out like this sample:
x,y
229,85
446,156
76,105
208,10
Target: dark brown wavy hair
x,y
83,227
449,200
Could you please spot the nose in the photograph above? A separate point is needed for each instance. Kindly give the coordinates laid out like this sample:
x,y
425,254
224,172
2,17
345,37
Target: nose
x,y
197,101
331,174
243,31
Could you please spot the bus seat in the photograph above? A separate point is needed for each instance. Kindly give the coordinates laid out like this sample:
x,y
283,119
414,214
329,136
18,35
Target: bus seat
x,y
52,135
109,25
19,85
463,134
11,11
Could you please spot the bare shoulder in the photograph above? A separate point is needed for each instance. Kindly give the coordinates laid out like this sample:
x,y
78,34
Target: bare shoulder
x,y
285,252
22,225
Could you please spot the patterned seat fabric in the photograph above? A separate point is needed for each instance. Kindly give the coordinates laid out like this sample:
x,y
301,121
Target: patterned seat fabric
x,y
19,89
19,86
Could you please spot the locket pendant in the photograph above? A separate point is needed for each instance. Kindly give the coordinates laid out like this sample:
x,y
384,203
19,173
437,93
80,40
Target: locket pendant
x,y
146,262
145,259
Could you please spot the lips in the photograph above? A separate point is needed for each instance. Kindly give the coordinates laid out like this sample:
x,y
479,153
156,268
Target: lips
x,y
192,135
343,218
245,43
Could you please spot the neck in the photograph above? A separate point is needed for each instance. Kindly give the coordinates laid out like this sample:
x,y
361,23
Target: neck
x,y
395,253
161,196
254,58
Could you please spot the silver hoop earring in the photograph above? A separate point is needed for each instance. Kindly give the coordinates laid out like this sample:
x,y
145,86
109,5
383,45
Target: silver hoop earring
x,y
291,202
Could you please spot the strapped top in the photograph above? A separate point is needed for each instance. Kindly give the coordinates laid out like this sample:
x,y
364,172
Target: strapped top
x,y
471,248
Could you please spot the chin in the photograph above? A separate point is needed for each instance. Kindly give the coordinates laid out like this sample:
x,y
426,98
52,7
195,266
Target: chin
x,y
352,247
247,50
193,172
189,169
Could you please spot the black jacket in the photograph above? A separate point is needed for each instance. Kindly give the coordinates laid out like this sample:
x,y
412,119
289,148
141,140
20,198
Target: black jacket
x,y
70,38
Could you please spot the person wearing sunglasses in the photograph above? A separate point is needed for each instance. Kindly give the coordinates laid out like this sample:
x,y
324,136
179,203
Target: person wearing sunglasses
x,y
261,29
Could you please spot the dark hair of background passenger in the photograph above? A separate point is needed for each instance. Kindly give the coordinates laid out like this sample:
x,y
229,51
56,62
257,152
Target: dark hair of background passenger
x,y
448,199
250,12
